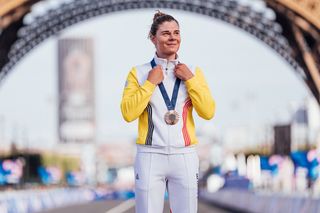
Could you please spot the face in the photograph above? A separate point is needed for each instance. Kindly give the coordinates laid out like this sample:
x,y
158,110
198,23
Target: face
x,y
167,39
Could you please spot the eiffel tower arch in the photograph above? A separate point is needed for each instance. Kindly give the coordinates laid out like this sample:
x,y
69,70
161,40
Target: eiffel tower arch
x,y
290,27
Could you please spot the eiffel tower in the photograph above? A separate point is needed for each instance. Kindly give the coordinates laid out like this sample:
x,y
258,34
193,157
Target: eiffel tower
x,y
293,34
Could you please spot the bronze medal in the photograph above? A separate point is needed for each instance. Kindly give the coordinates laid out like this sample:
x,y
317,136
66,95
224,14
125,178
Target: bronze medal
x,y
171,117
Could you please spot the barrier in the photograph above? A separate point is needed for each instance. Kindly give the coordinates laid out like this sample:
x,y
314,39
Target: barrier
x,y
248,201
28,201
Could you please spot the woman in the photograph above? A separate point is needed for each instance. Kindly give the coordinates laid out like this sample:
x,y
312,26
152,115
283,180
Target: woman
x,y
166,155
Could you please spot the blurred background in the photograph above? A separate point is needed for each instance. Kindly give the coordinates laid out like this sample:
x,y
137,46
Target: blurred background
x,y
63,65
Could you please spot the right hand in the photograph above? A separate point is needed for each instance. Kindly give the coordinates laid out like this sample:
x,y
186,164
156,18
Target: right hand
x,y
155,75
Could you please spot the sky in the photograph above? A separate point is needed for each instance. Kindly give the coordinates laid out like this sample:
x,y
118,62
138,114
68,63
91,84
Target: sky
x,y
251,84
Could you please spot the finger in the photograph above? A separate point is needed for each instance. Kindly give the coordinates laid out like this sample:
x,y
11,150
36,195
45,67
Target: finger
x,y
160,68
178,76
179,72
180,67
176,68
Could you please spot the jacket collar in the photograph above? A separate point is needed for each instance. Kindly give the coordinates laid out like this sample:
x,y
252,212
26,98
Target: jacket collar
x,y
165,63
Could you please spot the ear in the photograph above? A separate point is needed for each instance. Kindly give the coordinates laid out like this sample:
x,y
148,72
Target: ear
x,y
153,39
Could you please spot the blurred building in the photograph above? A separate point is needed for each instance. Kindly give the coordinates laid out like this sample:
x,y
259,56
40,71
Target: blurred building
x,y
305,125
76,91
302,132
282,139
248,139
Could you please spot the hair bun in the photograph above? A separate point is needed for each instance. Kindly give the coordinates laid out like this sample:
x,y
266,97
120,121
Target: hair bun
x,y
158,14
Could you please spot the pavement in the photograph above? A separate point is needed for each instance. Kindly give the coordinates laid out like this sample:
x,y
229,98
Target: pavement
x,y
121,206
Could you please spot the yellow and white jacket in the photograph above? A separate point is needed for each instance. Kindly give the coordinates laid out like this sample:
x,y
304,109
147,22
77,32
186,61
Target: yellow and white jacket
x,y
142,99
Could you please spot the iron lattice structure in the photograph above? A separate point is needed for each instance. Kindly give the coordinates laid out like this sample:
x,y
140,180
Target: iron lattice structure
x,y
292,34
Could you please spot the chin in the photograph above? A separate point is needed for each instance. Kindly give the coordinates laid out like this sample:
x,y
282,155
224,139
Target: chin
x,y
171,52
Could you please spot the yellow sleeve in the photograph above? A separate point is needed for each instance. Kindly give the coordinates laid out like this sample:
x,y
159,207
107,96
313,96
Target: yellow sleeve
x,y
200,95
135,98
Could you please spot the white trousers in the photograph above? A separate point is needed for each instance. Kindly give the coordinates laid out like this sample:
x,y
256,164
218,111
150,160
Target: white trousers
x,y
178,173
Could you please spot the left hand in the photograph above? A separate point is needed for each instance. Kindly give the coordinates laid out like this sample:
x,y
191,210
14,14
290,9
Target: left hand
x,y
182,71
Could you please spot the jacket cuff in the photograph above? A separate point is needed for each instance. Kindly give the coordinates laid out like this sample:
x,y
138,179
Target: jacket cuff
x,y
191,82
149,86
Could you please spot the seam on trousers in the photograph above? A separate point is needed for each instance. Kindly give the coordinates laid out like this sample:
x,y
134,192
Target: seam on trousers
x,y
167,180
150,160
188,174
167,188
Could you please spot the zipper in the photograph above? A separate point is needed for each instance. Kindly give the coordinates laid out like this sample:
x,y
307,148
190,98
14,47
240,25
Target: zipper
x,y
167,67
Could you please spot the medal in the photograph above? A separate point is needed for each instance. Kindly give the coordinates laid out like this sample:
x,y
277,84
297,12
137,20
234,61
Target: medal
x,y
171,117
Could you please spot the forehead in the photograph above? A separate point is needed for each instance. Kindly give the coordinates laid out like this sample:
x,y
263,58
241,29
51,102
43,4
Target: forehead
x,y
168,26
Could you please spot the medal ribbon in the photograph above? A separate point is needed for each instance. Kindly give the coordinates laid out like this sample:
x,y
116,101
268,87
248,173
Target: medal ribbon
x,y
170,104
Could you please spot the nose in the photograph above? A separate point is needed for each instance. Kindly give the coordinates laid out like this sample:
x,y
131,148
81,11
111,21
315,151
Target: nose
x,y
173,37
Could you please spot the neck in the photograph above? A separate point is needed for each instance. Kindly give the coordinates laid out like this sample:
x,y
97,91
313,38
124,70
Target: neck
x,y
168,57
